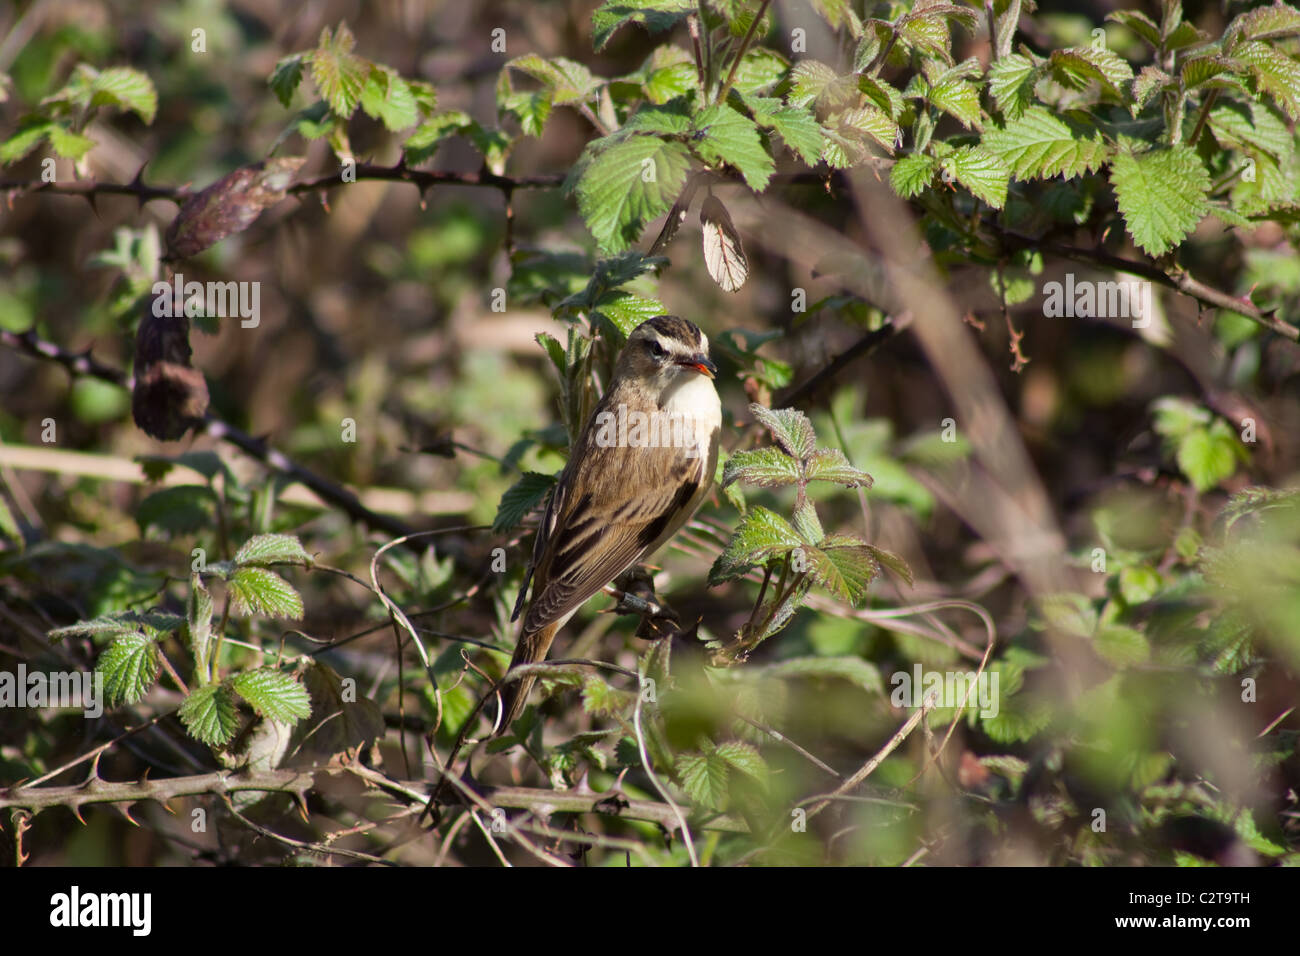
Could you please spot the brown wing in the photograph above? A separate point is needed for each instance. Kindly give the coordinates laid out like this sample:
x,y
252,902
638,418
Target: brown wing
x,y
598,532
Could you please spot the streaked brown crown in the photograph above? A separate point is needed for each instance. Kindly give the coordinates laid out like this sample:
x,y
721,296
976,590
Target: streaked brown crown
x,y
671,327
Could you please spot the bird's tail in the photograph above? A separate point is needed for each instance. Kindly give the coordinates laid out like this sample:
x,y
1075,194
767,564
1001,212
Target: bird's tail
x,y
530,649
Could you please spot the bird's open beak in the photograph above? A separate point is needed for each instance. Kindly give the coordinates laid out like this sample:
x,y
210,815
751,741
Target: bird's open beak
x,y
701,364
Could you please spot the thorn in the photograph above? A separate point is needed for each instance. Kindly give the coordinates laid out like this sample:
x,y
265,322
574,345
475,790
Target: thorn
x,y
76,812
302,807
137,182
126,812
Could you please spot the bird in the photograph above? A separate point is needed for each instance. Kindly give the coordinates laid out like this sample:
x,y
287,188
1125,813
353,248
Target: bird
x,y
641,466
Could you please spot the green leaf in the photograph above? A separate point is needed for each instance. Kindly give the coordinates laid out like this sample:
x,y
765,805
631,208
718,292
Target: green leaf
x,y
264,549
1150,81
767,467
1249,126
806,523
760,535
1069,613
745,758
912,174
759,70
704,778
28,137
1011,81
429,135
602,699
1139,23
1122,645
180,509
1176,417
814,83
531,109
1274,73
1162,195
829,464
125,89
1079,66
627,184
211,714
338,73
846,571
1207,457
789,426
951,92
68,144
259,591
847,135
1040,145
725,136
673,118
1263,23
520,499
893,562
130,666
286,76
121,623
273,694
980,171
801,132
1199,70
388,99
853,669
1139,583
567,81
627,310
654,15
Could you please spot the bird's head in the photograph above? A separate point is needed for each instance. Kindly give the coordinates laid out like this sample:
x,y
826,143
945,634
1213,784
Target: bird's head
x,y
666,349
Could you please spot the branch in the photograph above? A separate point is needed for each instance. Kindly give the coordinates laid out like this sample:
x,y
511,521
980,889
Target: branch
x,y
1178,279
863,346
96,790
422,178
83,363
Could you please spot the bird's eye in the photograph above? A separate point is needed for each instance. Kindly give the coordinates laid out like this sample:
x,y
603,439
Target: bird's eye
x,y
657,350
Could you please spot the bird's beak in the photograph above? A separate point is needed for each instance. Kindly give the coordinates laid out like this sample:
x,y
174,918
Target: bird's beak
x,y
700,362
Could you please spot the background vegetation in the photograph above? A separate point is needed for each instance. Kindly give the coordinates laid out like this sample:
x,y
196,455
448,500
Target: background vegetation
x,y
292,549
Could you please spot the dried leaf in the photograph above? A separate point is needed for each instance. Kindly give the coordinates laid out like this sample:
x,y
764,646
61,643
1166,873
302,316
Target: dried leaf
x,y
723,253
170,395
229,205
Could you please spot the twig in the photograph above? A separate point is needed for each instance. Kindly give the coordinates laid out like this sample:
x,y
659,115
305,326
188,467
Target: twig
x,y
870,766
741,51
83,363
423,179
1178,279
654,779
864,346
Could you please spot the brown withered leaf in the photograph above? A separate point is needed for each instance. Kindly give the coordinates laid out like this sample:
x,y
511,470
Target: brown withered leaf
x,y
170,395
724,256
229,205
